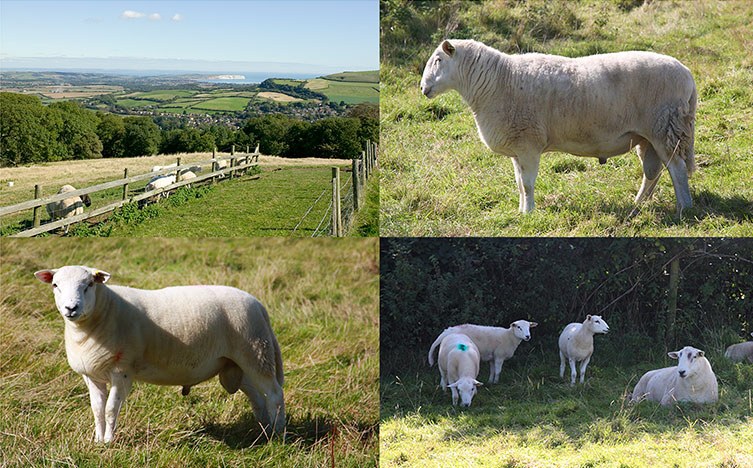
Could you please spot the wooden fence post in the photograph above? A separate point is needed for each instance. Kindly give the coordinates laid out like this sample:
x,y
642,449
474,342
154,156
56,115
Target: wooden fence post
x,y
363,166
356,188
37,193
232,165
337,230
125,186
214,169
232,150
214,152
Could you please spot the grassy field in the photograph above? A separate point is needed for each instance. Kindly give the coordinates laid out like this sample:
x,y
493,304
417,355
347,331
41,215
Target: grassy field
x,y
366,221
222,104
85,173
438,178
271,205
322,297
350,87
534,419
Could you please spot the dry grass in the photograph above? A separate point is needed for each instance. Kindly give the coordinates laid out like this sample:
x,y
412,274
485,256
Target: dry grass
x,y
83,173
279,97
322,297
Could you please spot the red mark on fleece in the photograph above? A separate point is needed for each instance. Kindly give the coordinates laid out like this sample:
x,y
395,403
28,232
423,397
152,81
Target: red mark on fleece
x,y
119,355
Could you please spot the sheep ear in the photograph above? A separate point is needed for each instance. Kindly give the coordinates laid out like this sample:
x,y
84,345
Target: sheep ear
x,y
45,276
448,48
588,317
700,353
533,324
453,385
100,276
477,383
673,355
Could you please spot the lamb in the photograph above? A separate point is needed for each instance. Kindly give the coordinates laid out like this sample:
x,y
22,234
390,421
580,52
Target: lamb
x,y
68,207
577,344
601,106
458,366
180,335
692,379
497,344
740,352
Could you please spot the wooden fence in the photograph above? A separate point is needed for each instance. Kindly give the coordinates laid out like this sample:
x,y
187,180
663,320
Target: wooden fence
x,y
345,207
236,164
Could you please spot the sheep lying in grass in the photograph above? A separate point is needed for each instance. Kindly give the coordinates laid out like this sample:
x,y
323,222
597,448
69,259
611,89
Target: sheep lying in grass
x,y
181,335
68,207
458,366
740,352
692,379
601,106
496,344
576,343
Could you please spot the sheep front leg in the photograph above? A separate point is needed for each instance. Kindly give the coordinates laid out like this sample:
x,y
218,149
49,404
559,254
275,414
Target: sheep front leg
x,y
454,396
583,368
121,386
527,165
98,398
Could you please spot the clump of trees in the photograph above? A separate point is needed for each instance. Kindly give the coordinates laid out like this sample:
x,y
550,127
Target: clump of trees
x,y
32,132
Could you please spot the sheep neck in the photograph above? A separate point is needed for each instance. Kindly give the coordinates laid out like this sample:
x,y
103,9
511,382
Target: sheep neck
x,y
481,72
584,337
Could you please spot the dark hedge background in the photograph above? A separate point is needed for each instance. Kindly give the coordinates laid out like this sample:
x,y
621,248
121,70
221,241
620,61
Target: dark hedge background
x,y
429,284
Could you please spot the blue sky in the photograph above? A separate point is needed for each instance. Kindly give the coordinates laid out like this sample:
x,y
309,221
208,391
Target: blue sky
x,y
339,35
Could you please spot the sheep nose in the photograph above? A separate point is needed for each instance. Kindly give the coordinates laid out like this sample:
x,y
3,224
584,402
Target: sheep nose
x,y
528,337
71,309
682,373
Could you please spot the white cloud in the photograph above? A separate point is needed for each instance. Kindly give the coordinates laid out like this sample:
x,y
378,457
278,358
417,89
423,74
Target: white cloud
x,y
130,14
155,17
177,17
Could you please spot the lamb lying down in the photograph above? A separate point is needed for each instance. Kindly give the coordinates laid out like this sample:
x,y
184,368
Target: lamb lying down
x,y
692,379
181,335
740,352
458,367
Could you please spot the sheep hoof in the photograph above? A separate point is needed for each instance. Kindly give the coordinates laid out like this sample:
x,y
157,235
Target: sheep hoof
x,y
186,389
602,160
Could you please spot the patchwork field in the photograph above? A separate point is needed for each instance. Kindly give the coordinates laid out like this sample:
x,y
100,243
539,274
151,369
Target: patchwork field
x,y
350,92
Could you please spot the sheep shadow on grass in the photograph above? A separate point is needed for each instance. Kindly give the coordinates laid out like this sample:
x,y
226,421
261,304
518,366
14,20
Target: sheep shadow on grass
x,y
309,430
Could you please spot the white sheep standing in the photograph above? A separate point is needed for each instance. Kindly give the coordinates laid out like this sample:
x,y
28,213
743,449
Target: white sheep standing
x,y
180,335
600,105
458,367
692,379
740,351
496,344
68,207
576,344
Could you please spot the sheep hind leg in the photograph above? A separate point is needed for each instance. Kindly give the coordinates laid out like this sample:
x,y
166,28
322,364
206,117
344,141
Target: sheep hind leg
x,y
679,173
652,166
562,364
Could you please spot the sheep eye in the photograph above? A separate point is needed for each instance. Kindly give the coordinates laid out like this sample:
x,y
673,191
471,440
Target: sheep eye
x,y
54,285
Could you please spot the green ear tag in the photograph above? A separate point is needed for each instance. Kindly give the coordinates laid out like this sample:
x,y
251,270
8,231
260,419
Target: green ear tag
x,y
462,347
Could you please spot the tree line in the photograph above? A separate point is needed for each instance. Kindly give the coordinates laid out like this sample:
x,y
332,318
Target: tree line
x,y
32,132
655,294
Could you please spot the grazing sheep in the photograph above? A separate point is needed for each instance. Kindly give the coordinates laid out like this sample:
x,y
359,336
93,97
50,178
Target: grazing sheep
x,y
158,183
458,365
181,335
68,207
186,175
496,344
159,168
601,106
690,380
740,352
577,344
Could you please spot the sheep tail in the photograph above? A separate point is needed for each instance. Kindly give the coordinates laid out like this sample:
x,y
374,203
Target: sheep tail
x,y
434,346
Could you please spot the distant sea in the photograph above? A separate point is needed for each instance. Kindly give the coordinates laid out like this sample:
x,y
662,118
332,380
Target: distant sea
x,y
250,77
